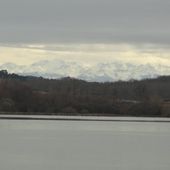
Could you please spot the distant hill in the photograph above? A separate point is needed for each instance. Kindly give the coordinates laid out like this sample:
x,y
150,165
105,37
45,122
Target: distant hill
x,y
5,75
31,94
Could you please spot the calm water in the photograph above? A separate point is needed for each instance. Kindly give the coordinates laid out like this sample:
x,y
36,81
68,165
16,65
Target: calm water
x,y
82,145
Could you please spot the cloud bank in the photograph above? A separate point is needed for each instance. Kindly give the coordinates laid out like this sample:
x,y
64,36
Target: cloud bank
x,y
86,53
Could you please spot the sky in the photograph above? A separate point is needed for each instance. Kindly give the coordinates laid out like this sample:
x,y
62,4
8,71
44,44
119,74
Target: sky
x,y
84,30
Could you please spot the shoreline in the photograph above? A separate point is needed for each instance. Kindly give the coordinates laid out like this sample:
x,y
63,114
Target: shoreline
x,y
83,118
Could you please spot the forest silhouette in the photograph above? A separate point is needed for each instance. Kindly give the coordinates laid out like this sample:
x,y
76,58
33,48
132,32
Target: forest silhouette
x,y
69,96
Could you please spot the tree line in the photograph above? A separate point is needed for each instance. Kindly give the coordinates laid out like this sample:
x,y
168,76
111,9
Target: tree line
x,y
28,94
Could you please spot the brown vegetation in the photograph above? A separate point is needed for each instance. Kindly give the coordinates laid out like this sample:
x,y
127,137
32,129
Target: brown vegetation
x,y
78,97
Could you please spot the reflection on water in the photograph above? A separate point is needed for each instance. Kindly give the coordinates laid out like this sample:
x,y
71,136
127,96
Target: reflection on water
x,y
83,145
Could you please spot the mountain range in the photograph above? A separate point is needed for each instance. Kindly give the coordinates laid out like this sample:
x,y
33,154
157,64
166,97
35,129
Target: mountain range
x,y
100,72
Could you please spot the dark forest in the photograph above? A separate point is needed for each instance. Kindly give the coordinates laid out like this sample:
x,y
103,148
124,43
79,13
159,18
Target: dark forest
x,y
69,96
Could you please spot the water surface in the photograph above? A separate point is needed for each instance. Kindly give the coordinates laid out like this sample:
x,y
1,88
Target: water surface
x,y
84,145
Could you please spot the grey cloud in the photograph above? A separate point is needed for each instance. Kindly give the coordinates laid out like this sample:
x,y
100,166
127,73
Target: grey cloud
x,y
99,21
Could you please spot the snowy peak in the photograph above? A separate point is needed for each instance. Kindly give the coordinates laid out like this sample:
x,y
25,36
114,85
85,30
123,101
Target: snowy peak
x,y
108,71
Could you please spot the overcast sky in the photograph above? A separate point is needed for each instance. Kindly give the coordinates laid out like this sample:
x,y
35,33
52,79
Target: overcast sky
x,y
83,21
131,22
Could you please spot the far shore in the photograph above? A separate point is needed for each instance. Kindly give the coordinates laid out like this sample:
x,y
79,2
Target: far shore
x,y
15,116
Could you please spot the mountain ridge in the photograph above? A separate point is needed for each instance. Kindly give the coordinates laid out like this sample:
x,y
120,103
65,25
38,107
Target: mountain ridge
x,y
100,72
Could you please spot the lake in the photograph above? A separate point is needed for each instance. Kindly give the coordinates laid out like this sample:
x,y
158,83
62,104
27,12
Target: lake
x,y
84,145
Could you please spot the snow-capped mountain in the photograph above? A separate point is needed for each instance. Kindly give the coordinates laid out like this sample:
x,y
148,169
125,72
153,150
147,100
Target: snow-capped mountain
x,y
108,71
